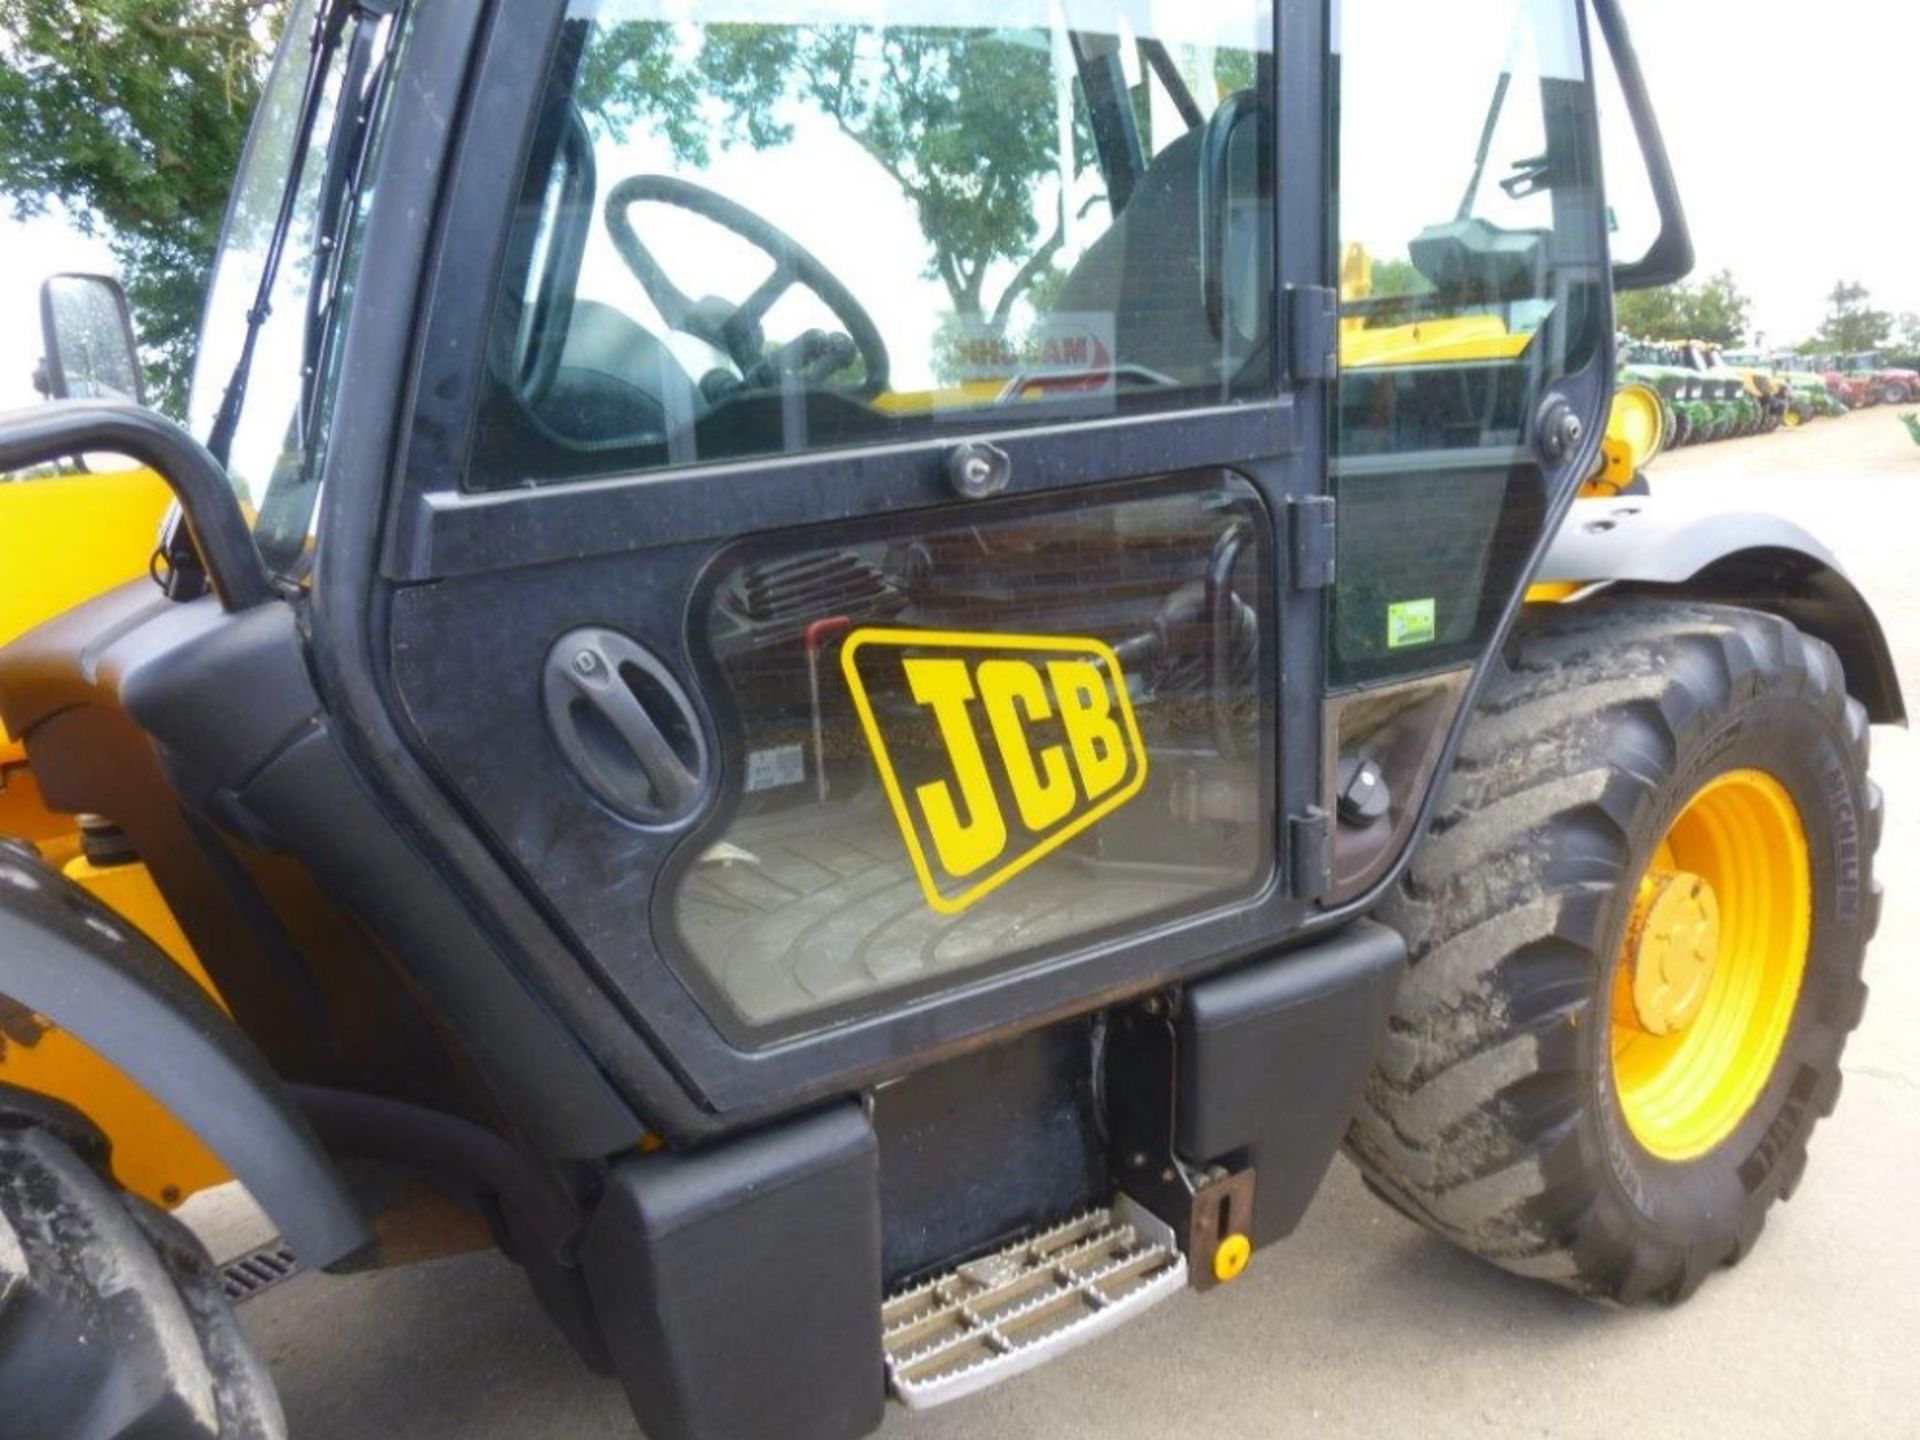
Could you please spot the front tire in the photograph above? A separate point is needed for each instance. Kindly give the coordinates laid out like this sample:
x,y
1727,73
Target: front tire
x,y
1505,1113
112,1318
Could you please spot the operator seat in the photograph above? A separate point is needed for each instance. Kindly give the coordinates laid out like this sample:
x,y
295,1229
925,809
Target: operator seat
x,y
1145,271
617,382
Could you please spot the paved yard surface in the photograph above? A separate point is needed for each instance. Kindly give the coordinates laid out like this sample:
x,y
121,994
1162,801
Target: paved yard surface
x,y
1361,1325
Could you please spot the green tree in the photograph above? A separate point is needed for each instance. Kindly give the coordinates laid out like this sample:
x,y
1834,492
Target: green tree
x,y
1652,314
1720,311
1852,324
130,115
1397,277
962,120
1716,311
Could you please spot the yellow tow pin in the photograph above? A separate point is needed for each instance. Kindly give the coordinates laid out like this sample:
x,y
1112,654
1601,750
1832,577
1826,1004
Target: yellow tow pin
x,y
1231,1257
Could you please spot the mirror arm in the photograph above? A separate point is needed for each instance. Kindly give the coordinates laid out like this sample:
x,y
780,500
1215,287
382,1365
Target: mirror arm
x,y
1671,258
62,429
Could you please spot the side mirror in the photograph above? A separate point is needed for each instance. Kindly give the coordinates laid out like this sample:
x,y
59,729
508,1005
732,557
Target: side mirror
x,y
88,333
1670,258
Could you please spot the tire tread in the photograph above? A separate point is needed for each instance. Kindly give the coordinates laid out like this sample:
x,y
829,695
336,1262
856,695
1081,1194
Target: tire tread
x,y
1467,1121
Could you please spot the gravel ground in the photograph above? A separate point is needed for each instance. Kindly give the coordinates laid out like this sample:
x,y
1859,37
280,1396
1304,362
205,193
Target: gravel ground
x,y
1362,1325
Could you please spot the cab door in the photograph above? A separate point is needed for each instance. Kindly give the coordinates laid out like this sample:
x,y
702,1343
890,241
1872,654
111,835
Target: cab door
x,y
1477,371
846,566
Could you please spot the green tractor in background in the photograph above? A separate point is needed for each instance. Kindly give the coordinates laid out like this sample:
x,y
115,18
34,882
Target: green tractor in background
x,y
1804,392
1669,386
1682,393
1707,406
1767,392
1813,381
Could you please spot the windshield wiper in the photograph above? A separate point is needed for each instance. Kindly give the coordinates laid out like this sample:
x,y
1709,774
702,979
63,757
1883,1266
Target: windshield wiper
x,y
1480,158
328,26
346,154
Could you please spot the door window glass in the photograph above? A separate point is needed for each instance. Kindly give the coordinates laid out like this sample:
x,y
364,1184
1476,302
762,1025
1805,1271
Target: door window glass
x,y
796,225
1472,279
965,745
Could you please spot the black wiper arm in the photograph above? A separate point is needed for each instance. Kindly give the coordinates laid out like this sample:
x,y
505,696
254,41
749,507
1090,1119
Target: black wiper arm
x,y
346,152
328,25
1486,145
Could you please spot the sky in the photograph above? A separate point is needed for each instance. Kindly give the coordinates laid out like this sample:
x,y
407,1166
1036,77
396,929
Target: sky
x,y
1789,126
1796,145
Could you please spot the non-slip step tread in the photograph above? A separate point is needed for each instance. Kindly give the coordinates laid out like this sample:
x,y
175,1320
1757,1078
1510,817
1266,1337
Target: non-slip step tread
x,y
1002,1314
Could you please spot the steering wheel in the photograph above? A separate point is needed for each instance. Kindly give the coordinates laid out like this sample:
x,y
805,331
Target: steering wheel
x,y
735,329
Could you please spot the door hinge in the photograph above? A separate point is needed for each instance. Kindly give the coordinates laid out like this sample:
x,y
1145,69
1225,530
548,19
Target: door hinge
x,y
1313,332
1312,544
1310,853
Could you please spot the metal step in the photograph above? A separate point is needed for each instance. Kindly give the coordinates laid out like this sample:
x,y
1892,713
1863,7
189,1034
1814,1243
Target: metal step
x,y
999,1316
258,1271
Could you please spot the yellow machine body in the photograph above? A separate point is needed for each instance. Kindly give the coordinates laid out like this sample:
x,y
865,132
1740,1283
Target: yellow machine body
x,y
63,540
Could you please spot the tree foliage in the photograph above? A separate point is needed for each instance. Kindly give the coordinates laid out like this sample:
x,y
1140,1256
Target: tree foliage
x,y
1397,277
1852,325
1716,311
131,115
962,120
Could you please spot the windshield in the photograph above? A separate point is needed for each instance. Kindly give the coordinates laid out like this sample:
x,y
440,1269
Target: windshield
x,y
274,385
268,459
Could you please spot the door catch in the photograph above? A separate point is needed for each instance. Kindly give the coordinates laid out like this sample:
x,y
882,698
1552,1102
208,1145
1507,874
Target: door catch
x,y
1557,432
978,470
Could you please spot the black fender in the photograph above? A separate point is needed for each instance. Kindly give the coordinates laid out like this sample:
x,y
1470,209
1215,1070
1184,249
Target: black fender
x,y
1752,558
66,956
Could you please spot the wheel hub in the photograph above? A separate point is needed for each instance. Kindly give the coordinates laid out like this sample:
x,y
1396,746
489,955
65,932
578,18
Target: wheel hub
x,y
1709,969
1673,941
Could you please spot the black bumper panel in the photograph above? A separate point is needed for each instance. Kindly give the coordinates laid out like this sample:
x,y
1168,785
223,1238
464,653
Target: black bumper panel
x,y
739,1287
1272,1059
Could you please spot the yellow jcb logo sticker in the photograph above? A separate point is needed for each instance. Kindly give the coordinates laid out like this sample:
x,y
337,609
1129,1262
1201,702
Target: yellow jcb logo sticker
x,y
995,750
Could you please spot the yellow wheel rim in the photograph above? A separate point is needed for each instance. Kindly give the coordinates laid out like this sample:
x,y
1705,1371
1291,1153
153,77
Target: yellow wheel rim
x,y
1638,422
1791,419
1711,965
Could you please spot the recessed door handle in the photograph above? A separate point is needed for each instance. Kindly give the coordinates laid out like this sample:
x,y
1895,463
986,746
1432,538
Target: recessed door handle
x,y
625,726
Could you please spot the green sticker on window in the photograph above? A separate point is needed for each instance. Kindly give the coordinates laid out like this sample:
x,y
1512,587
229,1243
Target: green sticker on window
x,y
1411,622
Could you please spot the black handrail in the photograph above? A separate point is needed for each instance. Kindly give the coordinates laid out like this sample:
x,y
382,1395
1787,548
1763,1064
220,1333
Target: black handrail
x,y
64,428
1671,257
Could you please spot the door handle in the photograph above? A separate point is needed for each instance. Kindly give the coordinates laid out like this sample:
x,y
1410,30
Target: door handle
x,y
625,726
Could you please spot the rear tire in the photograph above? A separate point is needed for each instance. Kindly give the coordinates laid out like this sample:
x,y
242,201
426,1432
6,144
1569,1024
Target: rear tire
x,y
1493,1116
113,1320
